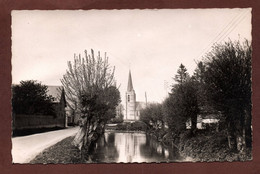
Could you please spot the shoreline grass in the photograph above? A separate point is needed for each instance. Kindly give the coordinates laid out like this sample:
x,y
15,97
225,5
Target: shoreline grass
x,y
212,148
62,152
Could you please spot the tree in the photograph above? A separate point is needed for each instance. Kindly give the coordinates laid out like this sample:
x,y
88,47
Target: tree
x,y
90,91
182,106
174,117
119,114
199,72
153,117
198,78
30,97
182,74
228,81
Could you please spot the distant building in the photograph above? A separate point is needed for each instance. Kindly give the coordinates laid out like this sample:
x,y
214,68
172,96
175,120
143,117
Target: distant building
x,y
205,121
133,107
59,102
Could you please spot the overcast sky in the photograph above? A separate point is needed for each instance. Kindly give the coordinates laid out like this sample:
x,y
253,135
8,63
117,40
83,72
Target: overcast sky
x,y
152,43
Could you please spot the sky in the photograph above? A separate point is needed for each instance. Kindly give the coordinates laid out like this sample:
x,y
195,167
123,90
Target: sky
x,y
150,43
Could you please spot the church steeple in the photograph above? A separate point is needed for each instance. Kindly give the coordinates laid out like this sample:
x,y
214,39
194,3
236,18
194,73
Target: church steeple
x,y
130,100
130,84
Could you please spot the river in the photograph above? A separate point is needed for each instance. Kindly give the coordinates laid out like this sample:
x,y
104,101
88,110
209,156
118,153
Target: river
x,y
132,147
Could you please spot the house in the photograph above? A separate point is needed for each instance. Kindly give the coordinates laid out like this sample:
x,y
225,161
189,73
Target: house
x,y
23,121
59,104
205,121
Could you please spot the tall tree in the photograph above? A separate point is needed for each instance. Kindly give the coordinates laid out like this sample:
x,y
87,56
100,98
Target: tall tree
x,y
199,72
89,86
182,74
30,97
200,85
182,104
228,79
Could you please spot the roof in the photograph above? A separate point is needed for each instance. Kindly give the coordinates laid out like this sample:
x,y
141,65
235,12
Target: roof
x,y
140,105
130,83
55,91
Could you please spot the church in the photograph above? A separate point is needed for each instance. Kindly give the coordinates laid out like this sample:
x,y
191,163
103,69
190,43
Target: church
x,y
133,107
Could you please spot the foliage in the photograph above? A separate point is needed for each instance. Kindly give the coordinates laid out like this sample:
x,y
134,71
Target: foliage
x,y
228,84
118,119
210,147
90,91
176,122
152,116
182,74
182,104
102,105
30,97
119,115
154,119
61,153
199,83
135,126
86,74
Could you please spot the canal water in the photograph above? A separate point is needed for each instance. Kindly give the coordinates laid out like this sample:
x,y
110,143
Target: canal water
x,y
132,147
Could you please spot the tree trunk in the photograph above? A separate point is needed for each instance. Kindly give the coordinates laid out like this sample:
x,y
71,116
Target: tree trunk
x,y
193,124
229,142
229,137
248,130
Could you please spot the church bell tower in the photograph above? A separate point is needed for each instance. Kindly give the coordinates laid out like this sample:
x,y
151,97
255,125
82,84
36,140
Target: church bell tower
x,y
130,100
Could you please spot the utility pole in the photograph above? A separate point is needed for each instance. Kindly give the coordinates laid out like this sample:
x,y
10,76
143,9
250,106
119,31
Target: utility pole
x,y
166,86
145,99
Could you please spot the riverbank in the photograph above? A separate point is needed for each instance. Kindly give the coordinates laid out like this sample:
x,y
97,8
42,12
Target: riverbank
x,y
211,147
63,152
114,147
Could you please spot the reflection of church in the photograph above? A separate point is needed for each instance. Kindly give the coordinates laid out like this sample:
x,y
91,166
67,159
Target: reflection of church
x,y
132,106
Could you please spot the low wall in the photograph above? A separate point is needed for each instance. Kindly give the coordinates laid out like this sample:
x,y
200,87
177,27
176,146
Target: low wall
x,y
37,121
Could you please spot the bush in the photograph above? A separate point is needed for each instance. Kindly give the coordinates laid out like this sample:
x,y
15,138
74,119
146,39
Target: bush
x,y
121,126
209,147
135,126
138,126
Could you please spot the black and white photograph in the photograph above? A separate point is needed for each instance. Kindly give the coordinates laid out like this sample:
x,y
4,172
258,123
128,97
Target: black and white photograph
x,y
131,86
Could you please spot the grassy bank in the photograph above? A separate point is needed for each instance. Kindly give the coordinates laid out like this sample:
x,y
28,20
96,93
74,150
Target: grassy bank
x,y
202,147
62,152
211,147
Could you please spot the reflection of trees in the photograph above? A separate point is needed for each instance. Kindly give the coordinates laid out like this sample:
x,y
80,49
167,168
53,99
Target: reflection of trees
x,y
157,152
105,151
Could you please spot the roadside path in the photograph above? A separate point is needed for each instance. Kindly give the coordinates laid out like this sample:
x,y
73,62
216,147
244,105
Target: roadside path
x,y
25,148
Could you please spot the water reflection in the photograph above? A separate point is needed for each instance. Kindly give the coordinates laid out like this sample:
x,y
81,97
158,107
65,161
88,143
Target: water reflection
x,y
132,147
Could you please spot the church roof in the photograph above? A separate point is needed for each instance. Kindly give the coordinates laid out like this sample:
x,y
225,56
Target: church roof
x,y
130,83
140,105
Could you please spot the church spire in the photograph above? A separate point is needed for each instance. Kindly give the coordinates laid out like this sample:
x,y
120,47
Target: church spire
x,y
130,84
